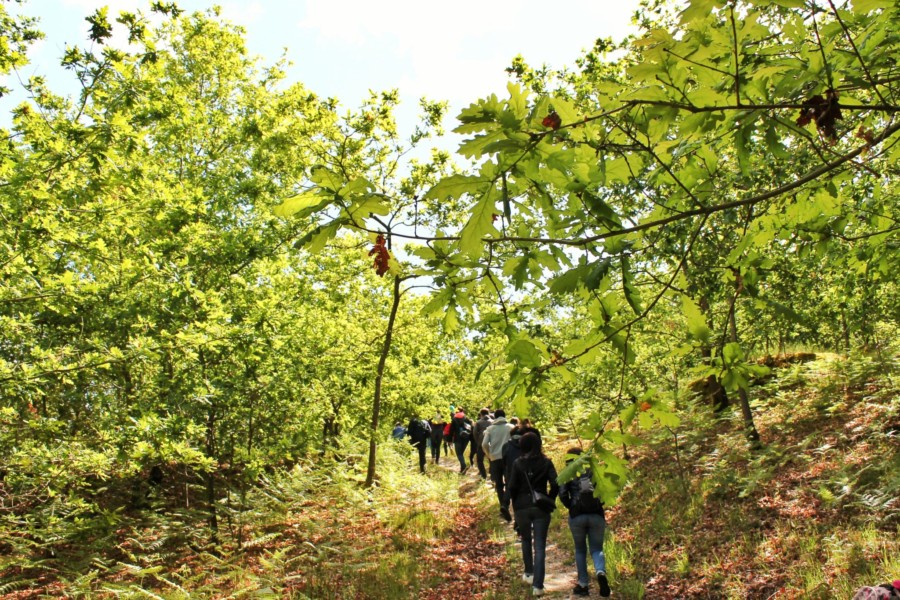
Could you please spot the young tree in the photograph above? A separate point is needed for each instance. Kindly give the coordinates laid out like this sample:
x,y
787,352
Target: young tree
x,y
728,132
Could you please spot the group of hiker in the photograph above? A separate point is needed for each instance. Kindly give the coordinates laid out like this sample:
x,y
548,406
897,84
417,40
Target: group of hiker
x,y
525,479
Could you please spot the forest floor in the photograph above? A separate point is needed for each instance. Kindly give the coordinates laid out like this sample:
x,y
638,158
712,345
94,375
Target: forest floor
x,y
502,548
814,513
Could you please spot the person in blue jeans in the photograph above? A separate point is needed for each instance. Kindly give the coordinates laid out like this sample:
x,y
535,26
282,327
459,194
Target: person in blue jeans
x,y
532,471
588,525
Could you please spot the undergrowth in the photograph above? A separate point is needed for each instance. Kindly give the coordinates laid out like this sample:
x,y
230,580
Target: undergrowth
x,y
815,513
310,532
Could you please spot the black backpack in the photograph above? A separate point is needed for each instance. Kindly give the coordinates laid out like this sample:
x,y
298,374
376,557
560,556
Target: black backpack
x,y
418,430
583,498
464,430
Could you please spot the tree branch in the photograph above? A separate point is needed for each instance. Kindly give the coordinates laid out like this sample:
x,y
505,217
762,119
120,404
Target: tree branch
x,y
737,61
650,307
812,175
856,51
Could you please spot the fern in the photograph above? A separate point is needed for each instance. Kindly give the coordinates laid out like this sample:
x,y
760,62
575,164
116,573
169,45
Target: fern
x,y
12,586
262,540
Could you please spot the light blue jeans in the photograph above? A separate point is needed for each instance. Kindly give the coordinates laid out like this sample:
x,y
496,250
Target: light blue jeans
x,y
590,529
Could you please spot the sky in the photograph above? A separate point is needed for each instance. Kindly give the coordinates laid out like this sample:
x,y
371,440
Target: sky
x,y
455,51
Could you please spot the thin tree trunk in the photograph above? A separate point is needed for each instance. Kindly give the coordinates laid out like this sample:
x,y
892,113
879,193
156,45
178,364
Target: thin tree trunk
x,y
713,391
213,518
749,425
376,404
250,374
845,330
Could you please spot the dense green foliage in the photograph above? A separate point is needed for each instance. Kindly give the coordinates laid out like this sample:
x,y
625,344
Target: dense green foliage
x,y
160,325
738,155
187,294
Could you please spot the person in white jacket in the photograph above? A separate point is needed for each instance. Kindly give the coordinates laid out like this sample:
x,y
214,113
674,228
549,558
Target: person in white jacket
x,y
495,437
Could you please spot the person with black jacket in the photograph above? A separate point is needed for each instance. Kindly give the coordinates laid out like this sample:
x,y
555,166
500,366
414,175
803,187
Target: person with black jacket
x,y
532,472
587,524
419,431
511,449
437,437
461,434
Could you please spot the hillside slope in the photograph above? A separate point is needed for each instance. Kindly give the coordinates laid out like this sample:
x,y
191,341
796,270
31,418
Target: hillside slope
x,y
814,514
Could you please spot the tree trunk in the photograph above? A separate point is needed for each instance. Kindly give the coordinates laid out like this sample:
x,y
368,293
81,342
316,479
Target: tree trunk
x,y
213,518
713,391
253,401
376,404
328,426
210,449
845,330
749,425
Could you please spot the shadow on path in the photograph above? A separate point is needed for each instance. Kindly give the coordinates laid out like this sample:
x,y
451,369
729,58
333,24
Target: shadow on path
x,y
560,568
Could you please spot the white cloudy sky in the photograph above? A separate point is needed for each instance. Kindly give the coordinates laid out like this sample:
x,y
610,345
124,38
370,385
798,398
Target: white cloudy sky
x,y
449,50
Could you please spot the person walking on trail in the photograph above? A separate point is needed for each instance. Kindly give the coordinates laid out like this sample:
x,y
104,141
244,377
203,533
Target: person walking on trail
x,y
532,474
481,425
419,432
511,450
587,524
447,437
461,434
437,437
492,444
398,432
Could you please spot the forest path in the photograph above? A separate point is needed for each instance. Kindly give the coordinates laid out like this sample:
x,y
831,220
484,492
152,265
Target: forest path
x,y
497,545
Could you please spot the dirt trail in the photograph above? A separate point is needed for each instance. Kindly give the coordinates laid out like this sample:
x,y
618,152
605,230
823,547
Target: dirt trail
x,y
484,558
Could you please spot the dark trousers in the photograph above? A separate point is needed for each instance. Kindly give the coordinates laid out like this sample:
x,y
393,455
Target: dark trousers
x,y
498,472
479,460
420,446
436,451
534,523
460,448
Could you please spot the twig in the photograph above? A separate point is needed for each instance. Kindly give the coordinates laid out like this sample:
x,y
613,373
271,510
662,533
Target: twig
x,y
822,49
737,59
856,51
681,475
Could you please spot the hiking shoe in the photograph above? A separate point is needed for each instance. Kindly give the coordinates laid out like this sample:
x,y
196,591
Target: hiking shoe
x,y
537,591
463,470
604,584
504,512
581,590
528,577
